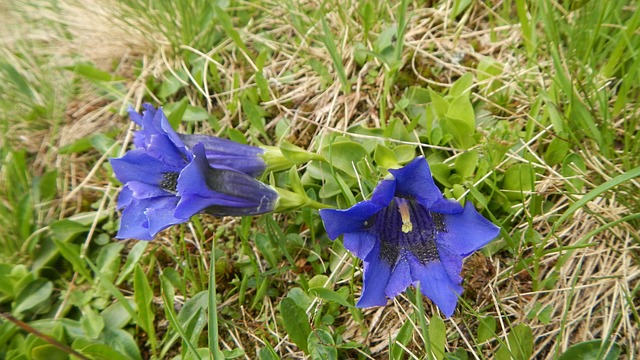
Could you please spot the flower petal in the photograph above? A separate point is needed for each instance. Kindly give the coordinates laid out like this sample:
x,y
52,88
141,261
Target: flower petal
x,y
384,193
161,215
356,218
467,231
162,148
134,115
140,190
125,197
414,181
360,243
138,165
452,264
436,285
222,152
134,223
376,278
400,277
227,192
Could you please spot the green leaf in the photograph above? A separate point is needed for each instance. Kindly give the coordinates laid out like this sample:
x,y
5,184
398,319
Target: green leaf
x,y
322,346
96,350
227,25
133,257
71,253
437,337
195,113
486,329
327,38
441,173
92,323
592,350
232,354
462,110
329,295
115,316
461,86
574,168
91,72
520,344
465,164
556,152
48,352
488,70
300,297
403,337
385,157
296,323
175,111
143,297
34,294
518,180
439,104
65,230
342,155
404,153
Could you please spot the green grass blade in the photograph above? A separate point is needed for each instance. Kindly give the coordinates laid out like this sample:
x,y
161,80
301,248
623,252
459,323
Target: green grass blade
x,y
327,38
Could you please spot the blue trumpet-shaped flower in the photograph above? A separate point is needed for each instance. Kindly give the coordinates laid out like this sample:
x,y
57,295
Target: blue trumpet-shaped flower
x,y
164,184
221,191
150,177
409,233
220,152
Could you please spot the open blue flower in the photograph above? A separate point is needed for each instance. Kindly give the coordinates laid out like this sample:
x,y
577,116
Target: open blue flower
x,y
220,152
221,191
150,177
164,184
408,233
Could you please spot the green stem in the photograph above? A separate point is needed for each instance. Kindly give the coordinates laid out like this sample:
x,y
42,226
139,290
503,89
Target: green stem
x,y
214,345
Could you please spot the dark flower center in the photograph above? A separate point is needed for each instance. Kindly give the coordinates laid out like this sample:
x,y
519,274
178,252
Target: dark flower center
x,y
406,226
169,181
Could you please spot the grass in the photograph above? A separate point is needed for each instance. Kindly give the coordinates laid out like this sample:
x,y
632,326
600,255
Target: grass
x,y
527,109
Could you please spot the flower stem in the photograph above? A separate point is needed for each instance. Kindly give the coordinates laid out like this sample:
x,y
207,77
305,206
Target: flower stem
x,y
214,345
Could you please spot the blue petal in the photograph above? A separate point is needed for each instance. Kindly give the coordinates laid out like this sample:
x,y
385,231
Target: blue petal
x,y
228,192
138,165
141,190
161,214
452,264
356,218
218,145
161,120
436,285
134,223
376,278
134,115
125,197
162,148
414,181
400,278
360,243
467,231
384,193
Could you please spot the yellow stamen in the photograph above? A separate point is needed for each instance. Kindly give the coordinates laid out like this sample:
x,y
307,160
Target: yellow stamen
x,y
403,208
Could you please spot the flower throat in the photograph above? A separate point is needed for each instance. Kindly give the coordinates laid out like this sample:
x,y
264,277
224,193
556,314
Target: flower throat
x,y
406,226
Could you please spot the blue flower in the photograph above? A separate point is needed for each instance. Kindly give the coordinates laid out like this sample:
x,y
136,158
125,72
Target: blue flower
x,y
221,191
408,233
220,152
150,177
165,184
